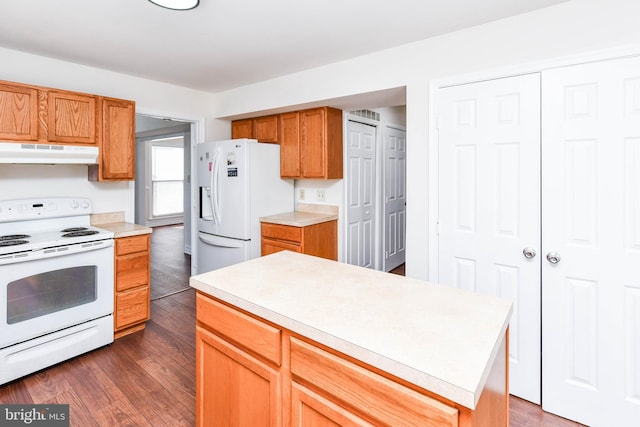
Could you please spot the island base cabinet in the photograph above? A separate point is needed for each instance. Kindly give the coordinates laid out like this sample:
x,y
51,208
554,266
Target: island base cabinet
x,y
234,388
250,372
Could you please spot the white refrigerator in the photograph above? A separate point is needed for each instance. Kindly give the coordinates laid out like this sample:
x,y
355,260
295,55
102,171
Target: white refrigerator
x,y
238,182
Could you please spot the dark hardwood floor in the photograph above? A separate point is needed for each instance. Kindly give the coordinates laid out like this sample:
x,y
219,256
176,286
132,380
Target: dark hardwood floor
x,y
169,264
148,378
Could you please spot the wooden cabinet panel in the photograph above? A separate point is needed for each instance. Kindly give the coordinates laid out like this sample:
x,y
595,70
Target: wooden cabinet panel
x,y
117,149
246,331
318,239
312,143
130,245
131,271
242,129
132,307
311,146
290,145
234,388
311,409
380,398
281,232
268,247
18,112
132,283
266,129
71,118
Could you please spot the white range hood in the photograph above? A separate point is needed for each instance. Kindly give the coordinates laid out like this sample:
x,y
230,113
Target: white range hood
x,y
29,153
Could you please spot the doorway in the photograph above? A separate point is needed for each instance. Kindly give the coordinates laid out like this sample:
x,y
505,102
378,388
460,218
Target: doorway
x,y
163,198
375,172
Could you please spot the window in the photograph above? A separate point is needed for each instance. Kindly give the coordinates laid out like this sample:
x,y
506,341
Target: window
x,y
167,177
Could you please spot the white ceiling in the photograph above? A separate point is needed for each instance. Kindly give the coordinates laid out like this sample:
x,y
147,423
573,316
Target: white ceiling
x,y
224,44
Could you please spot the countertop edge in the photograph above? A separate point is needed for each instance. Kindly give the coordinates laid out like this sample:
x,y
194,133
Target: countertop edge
x,y
125,229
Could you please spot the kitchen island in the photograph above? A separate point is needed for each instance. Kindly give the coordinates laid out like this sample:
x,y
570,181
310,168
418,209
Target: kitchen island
x,y
291,339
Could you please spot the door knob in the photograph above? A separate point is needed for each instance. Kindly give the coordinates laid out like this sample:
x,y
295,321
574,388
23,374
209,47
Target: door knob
x,y
529,252
553,257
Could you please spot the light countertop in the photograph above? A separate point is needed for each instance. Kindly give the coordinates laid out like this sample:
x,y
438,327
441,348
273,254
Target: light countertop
x,y
114,222
439,338
304,216
124,229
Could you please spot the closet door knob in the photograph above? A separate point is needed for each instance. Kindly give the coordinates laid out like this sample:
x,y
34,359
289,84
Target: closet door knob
x,y
529,252
553,257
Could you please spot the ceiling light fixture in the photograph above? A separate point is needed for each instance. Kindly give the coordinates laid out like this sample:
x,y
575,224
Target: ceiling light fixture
x,y
177,4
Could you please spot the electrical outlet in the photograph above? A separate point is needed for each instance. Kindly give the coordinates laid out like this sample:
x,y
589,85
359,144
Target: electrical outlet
x,y
320,195
301,194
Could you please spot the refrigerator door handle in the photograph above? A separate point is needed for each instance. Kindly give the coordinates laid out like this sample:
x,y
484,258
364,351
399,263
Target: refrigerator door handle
x,y
215,199
220,241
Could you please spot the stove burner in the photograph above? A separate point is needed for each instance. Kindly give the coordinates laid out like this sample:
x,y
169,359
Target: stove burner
x,y
84,232
71,229
14,237
12,242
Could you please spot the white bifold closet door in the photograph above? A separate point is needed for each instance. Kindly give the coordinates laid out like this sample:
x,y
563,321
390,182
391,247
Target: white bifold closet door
x,y
489,207
591,225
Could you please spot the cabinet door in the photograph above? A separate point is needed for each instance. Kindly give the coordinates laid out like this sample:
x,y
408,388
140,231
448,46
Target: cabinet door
x,y
117,154
272,246
310,409
71,118
234,388
18,113
131,307
242,129
313,143
290,145
266,129
132,271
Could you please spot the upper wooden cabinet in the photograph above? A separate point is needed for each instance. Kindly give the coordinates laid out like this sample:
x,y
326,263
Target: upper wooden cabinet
x,y
290,145
18,112
242,129
117,145
264,129
312,147
71,117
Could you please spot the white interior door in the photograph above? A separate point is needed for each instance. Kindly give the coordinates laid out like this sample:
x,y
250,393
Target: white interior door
x,y
591,221
360,194
489,206
395,197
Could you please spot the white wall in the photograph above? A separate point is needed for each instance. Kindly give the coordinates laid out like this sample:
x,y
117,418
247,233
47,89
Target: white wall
x,y
151,97
569,29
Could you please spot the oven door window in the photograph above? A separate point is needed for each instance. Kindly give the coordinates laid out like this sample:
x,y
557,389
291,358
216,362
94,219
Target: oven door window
x,y
45,293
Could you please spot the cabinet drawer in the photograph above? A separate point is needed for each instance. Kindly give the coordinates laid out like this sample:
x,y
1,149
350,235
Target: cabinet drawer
x,y
273,246
369,393
129,245
244,330
282,232
132,307
132,271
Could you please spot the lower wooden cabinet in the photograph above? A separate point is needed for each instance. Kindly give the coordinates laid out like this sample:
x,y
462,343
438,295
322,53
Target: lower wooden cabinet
x,y
311,409
132,284
253,373
318,239
234,388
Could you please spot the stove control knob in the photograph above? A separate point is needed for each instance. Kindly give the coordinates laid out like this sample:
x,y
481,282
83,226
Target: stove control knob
x,y
74,204
85,204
